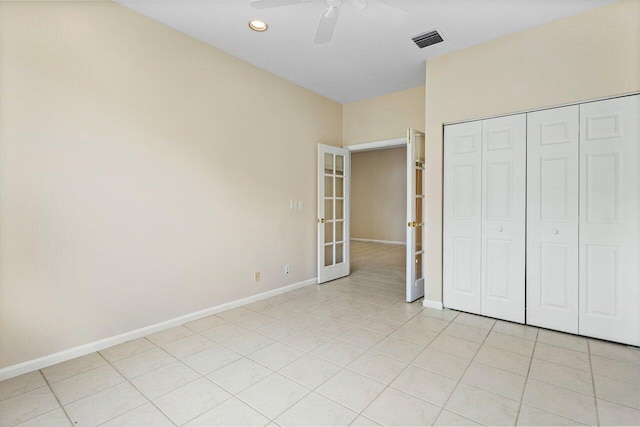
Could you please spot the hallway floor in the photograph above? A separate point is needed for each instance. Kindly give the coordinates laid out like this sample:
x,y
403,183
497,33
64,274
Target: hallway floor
x,y
349,352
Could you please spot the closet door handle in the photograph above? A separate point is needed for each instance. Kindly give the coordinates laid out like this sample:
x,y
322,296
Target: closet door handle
x,y
554,231
500,229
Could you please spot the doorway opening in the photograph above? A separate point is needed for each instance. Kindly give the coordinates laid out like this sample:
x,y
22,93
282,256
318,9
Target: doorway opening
x,y
388,197
378,215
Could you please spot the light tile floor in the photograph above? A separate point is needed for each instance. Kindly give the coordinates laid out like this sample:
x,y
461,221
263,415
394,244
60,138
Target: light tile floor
x,y
347,352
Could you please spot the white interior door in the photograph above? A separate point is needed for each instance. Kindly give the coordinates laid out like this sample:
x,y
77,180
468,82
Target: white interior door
x,y
462,216
552,219
415,214
503,217
610,219
334,182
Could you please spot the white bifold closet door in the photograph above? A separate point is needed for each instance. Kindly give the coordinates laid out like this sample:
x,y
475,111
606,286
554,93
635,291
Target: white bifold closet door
x,y
462,216
502,280
552,218
610,219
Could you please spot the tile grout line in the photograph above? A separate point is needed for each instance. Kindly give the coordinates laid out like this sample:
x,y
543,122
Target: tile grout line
x,y
526,379
311,390
138,390
342,368
462,376
57,400
405,368
593,385
75,375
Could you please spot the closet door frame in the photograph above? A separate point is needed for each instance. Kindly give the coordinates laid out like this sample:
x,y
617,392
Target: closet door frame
x,y
621,321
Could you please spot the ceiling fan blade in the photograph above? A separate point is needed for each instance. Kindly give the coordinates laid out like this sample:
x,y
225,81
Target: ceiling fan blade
x,y
385,13
327,24
267,4
359,4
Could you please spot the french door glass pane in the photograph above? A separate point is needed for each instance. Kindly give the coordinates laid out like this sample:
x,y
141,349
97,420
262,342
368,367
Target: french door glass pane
x,y
418,182
339,165
328,209
328,163
328,186
339,253
339,209
328,255
419,218
418,238
339,231
339,187
418,266
328,232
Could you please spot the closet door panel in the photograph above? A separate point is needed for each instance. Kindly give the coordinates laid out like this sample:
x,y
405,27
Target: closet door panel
x,y
503,217
462,216
552,218
609,219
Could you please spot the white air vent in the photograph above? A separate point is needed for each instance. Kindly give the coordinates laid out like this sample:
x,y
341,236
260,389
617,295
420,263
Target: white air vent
x,y
427,39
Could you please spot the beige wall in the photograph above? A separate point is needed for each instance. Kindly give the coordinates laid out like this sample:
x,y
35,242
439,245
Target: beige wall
x,y
383,117
143,175
591,55
378,194
378,203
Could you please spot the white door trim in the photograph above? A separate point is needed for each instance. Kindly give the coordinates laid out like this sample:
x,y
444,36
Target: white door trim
x,y
377,145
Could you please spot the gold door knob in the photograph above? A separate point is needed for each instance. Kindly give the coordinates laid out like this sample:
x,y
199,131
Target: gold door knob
x,y
321,221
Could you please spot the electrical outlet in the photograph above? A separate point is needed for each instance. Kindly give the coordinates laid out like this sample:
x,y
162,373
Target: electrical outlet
x,y
293,205
286,269
256,277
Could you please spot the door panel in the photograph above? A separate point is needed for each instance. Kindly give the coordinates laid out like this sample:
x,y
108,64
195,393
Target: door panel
x,y
610,219
552,219
462,216
503,217
602,188
554,271
498,265
499,177
333,212
415,214
463,271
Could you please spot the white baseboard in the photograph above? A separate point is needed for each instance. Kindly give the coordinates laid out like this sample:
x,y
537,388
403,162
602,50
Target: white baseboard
x,y
432,304
388,242
82,350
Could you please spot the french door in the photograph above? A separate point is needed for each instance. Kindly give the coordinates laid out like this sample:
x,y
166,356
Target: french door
x,y
334,181
415,214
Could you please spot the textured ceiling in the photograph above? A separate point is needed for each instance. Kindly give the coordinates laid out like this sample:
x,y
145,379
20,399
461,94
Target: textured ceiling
x,y
365,58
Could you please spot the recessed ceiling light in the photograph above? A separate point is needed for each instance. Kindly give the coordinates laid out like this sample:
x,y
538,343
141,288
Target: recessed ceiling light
x,y
257,25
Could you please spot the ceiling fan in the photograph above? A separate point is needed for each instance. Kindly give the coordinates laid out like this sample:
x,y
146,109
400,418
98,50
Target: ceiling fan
x,y
378,10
